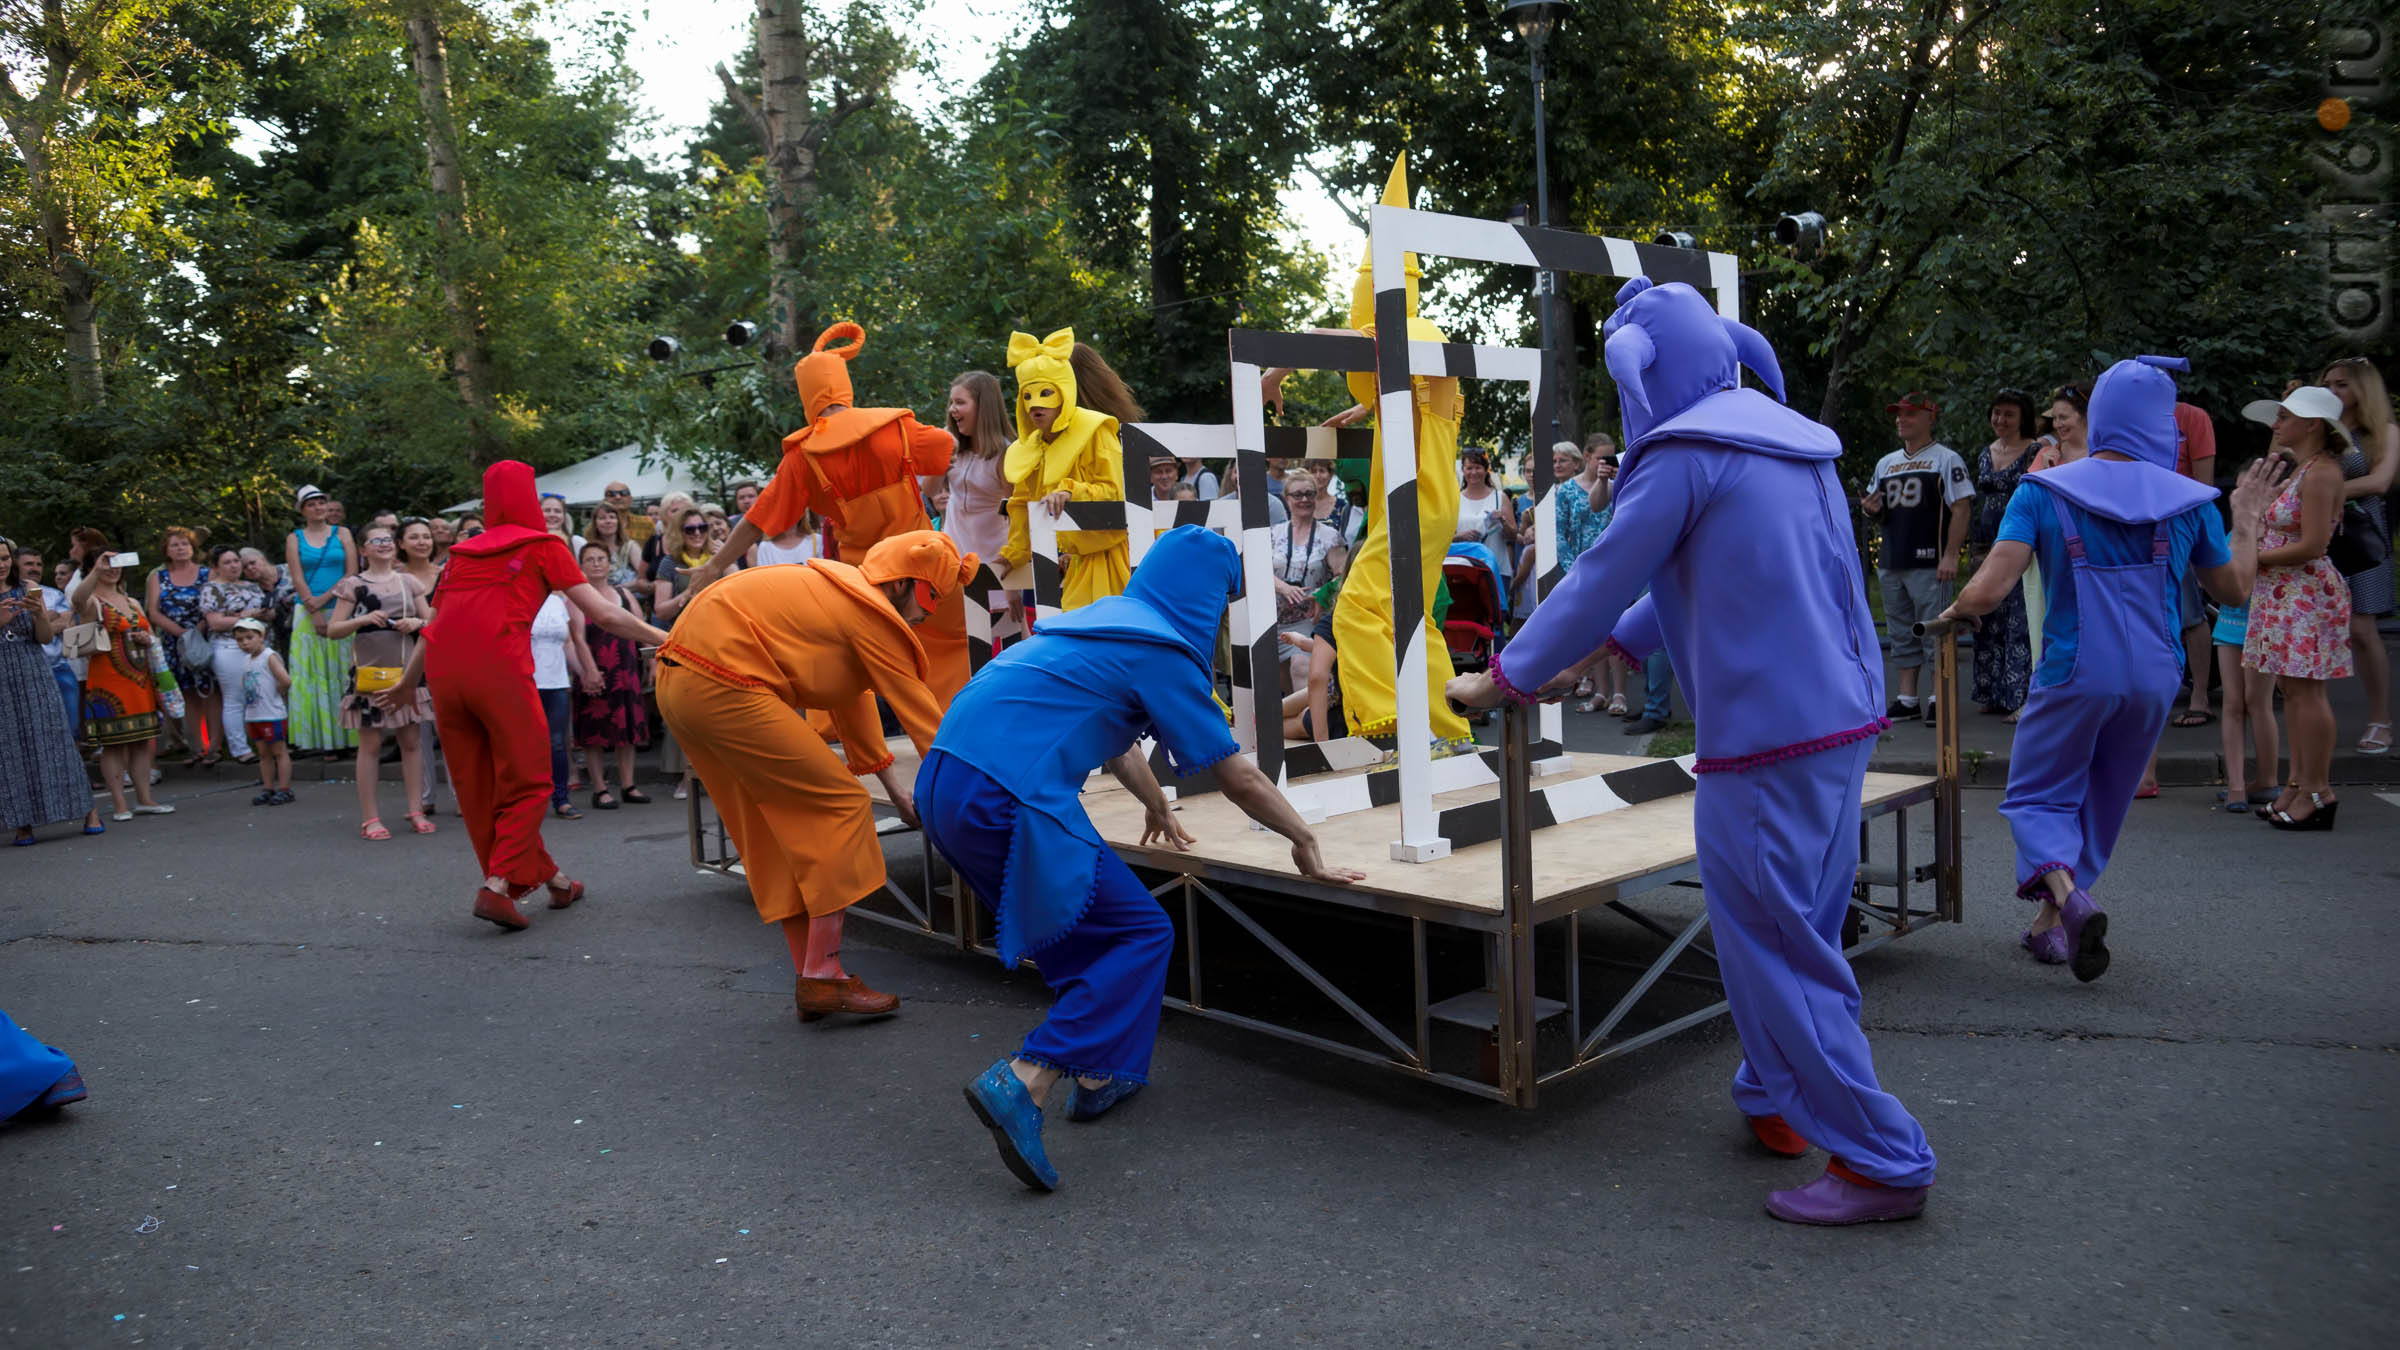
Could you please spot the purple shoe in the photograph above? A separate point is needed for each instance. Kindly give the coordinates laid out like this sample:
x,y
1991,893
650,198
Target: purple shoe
x,y
67,1089
1830,1202
2086,927
2048,946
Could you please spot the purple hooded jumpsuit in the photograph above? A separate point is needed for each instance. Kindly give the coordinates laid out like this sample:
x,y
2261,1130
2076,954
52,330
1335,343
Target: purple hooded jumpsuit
x,y
1729,510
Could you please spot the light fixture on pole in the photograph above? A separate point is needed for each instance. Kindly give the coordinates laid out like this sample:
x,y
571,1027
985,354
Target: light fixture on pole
x,y
663,348
740,333
1804,233
1673,239
1535,21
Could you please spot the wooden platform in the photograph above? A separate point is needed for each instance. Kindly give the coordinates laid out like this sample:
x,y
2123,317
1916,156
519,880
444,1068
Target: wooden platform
x,y
1576,864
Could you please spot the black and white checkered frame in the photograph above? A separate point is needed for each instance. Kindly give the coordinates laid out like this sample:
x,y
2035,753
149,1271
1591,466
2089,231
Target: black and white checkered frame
x,y
1395,232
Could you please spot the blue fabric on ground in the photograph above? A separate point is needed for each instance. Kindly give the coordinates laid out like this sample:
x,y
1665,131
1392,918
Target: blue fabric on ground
x,y
27,1067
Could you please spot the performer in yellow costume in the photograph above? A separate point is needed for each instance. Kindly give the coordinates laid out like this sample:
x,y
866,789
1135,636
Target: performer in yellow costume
x,y
1063,453
1362,617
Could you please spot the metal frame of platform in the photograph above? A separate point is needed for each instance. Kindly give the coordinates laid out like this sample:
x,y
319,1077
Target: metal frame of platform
x,y
1514,1009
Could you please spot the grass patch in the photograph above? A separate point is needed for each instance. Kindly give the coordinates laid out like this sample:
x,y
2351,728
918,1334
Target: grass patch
x,y
1672,740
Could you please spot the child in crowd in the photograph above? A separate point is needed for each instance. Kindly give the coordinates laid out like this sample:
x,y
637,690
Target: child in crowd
x,y
259,703
1185,492
2249,696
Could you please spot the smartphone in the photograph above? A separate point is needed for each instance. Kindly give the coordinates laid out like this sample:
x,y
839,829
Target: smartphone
x,y
124,559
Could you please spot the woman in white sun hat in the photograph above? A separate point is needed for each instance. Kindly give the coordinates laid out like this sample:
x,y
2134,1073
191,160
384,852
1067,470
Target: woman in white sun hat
x,y
2300,609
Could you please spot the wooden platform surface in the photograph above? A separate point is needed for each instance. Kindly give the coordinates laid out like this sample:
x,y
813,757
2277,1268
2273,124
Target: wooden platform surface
x,y
1611,849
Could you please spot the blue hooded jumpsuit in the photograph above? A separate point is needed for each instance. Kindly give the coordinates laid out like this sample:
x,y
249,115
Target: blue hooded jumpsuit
x,y
998,790
1729,510
2114,538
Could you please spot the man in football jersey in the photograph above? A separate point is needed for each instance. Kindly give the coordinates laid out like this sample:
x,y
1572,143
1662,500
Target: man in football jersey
x,y
1922,495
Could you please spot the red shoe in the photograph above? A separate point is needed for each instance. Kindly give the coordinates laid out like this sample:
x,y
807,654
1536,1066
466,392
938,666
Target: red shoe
x,y
500,909
1777,1135
561,899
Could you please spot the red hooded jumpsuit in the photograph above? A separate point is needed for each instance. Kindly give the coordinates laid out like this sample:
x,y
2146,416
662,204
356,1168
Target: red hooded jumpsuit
x,y
479,664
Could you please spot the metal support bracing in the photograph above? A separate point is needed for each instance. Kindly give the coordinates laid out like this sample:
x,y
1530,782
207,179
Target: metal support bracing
x,y
1299,966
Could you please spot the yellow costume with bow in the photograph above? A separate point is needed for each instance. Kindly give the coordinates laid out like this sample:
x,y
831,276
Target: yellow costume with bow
x,y
1081,456
1362,616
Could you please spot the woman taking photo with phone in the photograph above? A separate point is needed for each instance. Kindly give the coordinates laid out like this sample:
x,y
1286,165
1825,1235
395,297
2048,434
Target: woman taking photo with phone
x,y
120,690
41,780
381,611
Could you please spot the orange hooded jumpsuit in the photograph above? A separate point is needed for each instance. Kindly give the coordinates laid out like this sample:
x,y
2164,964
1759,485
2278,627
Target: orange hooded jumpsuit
x,y
479,665
858,468
750,655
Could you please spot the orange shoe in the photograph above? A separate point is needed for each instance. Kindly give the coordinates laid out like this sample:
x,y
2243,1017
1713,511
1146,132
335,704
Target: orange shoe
x,y
849,994
499,909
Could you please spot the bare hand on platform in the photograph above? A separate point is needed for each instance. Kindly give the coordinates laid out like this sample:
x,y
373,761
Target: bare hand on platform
x,y
1161,827
1964,620
1312,866
897,790
1478,690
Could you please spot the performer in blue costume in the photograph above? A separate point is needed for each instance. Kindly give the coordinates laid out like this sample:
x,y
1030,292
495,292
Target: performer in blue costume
x,y
1729,510
2114,532
997,795
33,1077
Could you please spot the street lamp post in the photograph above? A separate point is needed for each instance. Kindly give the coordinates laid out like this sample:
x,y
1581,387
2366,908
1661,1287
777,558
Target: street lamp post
x,y
1534,21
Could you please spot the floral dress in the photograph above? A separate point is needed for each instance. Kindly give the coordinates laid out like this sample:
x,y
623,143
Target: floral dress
x,y
2299,614
615,715
41,780
182,604
2004,640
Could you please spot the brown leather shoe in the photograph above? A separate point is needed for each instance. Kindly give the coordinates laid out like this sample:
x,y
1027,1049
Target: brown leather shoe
x,y
849,994
498,908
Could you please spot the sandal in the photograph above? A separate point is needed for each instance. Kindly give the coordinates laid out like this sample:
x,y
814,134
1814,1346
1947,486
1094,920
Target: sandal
x,y
418,822
1616,705
2192,717
604,800
636,796
566,811
373,829
2377,740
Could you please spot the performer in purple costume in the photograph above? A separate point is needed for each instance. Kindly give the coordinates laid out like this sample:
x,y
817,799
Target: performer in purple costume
x,y
1728,507
2114,532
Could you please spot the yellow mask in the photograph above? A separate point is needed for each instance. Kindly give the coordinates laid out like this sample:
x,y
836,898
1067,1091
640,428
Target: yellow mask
x,y
1045,376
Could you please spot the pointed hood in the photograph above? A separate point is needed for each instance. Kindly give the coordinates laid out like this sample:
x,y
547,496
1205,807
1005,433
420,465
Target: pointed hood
x,y
512,511
2132,413
1362,290
824,374
1176,599
927,557
1678,368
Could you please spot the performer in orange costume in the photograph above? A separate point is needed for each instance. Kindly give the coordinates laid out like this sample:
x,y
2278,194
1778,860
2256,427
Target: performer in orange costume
x,y
480,654
858,468
766,644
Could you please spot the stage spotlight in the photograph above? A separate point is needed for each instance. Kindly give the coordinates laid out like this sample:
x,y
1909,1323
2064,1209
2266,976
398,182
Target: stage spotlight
x,y
663,348
1673,239
1803,233
741,333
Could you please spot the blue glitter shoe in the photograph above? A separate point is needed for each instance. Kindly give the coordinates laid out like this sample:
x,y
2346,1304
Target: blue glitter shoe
x,y
1092,1103
1015,1120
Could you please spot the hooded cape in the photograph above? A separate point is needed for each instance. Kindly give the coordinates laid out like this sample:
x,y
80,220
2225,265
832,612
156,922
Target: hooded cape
x,y
512,511
1046,713
2132,413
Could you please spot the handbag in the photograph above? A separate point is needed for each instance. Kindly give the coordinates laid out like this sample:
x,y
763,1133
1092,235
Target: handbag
x,y
376,679
2358,545
195,648
84,641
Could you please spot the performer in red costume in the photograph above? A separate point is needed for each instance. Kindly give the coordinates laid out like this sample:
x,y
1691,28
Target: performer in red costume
x,y
858,468
480,656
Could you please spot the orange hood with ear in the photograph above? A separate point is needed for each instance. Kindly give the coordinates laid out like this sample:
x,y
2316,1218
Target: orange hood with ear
x,y
925,556
824,374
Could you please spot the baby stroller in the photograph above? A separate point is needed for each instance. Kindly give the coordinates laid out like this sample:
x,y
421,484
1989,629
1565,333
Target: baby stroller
x,y
1476,624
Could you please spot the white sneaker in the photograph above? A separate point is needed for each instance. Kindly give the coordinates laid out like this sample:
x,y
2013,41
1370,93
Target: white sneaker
x,y
158,810
121,815
680,794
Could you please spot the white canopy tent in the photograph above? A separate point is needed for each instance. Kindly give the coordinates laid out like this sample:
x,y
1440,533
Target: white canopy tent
x,y
581,483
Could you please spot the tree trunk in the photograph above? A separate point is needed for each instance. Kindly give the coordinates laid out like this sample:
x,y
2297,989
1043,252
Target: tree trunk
x,y
792,156
470,346
1169,286
80,315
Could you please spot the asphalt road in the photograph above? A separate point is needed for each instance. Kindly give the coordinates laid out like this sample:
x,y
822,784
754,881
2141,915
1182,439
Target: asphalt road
x,y
329,1108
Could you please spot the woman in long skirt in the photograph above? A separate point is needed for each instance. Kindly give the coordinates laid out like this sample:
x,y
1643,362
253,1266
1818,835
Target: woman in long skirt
x,y
41,780
611,718
317,556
